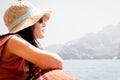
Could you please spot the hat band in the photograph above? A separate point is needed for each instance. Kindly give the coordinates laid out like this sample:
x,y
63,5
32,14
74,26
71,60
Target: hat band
x,y
22,18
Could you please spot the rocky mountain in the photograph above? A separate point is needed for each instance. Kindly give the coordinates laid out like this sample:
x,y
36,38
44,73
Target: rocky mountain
x,y
104,44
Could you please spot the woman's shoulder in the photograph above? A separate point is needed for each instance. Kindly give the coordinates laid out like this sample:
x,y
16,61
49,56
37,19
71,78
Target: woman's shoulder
x,y
5,38
15,38
18,46
16,42
8,42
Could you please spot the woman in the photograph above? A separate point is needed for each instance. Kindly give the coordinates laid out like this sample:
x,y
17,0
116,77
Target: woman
x,y
21,58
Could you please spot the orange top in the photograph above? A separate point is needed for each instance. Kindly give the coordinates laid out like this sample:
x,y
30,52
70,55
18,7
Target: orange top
x,y
14,68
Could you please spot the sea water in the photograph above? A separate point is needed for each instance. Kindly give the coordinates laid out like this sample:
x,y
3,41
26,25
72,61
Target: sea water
x,y
104,69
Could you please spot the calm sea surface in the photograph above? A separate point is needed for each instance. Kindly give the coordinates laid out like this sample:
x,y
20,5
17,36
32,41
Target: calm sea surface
x,y
93,69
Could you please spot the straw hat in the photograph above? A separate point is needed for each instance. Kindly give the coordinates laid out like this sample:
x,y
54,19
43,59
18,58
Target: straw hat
x,y
21,15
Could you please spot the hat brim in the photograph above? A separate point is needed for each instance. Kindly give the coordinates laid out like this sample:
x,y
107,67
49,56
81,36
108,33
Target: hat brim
x,y
31,20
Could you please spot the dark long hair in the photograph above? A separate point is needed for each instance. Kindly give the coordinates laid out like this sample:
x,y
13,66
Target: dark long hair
x,y
28,35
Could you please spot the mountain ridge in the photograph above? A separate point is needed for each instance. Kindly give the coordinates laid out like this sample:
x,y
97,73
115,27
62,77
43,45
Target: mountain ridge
x,y
104,44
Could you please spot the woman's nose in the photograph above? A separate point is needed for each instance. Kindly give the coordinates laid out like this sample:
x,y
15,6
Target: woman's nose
x,y
44,24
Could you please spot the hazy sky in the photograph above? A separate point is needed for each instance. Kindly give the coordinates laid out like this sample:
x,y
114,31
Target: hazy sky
x,y
72,19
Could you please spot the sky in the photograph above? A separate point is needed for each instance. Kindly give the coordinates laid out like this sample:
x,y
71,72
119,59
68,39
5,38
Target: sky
x,y
72,19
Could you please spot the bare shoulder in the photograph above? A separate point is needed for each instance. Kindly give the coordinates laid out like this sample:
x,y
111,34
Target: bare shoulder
x,y
17,45
16,42
20,47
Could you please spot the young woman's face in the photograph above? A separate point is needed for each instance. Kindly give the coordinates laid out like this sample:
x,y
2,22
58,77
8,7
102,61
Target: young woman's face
x,y
39,29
